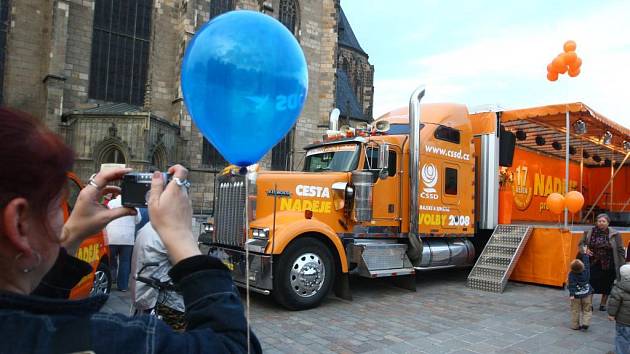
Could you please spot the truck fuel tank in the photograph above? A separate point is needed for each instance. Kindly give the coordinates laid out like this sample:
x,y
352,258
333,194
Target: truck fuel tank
x,y
446,252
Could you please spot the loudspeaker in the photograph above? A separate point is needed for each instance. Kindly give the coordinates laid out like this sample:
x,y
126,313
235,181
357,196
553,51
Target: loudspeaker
x,y
507,143
362,126
382,126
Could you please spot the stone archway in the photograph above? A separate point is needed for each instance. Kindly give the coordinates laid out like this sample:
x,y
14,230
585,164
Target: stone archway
x,y
158,158
112,149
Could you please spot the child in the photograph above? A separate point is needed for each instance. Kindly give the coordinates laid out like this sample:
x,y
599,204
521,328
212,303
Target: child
x,y
580,293
619,310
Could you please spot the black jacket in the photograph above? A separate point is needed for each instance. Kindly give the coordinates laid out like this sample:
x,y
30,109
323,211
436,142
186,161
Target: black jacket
x,y
579,285
46,322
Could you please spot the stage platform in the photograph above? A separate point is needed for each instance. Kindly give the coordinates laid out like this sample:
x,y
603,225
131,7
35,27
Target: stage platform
x,y
549,250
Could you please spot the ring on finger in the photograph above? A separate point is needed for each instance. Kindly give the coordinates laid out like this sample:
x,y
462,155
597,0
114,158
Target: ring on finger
x,y
92,182
181,182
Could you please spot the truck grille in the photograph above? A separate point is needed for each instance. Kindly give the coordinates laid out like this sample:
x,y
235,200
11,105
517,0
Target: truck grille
x,y
229,214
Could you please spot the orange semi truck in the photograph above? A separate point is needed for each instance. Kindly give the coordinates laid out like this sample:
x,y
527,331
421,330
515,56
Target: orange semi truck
x,y
93,250
408,193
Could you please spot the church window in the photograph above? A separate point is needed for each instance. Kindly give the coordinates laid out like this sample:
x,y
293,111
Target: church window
x,y
358,85
281,153
4,27
288,14
211,158
113,154
158,160
217,7
346,66
120,50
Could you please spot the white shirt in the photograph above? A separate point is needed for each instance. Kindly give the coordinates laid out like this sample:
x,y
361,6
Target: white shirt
x,y
149,248
121,231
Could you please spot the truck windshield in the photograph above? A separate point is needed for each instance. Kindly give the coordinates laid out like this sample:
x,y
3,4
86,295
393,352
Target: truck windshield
x,y
339,158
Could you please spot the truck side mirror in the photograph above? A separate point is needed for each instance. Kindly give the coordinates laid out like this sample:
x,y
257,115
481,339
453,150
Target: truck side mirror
x,y
383,160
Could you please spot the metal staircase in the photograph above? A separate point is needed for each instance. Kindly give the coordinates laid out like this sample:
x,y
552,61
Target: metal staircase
x,y
496,262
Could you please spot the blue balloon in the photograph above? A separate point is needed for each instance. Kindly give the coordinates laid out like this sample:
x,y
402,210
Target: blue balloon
x,y
245,80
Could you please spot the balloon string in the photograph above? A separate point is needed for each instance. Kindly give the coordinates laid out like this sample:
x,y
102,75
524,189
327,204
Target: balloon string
x,y
247,259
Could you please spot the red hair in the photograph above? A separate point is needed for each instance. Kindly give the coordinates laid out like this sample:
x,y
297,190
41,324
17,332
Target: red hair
x,y
33,161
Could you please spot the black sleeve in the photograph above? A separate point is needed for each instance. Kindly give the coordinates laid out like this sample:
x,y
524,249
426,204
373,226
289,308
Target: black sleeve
x,y
214,312
572,284
194,264
63,276
587,266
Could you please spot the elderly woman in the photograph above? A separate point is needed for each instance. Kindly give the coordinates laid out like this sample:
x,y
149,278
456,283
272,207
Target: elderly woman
x,y
605,248
38,267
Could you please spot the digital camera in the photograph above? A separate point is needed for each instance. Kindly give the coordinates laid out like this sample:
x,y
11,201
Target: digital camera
x,y
136,187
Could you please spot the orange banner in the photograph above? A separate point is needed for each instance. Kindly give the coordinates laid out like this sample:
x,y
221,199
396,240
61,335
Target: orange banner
x,y
535,177
616,195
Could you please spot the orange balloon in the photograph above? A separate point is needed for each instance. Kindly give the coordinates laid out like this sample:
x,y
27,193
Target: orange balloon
x,y
550,68
570,58
558,64
578,63
574,201
569,46
574,73
563,70
552,76
555,203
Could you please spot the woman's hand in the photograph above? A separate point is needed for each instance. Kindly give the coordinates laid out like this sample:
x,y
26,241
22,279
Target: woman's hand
x,y
89,216
611,318
170,213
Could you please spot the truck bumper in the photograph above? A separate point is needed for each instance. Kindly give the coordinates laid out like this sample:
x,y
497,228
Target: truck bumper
x,y
260,267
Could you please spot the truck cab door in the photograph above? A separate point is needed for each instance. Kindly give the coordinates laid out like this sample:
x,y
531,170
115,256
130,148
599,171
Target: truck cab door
x,y
386,191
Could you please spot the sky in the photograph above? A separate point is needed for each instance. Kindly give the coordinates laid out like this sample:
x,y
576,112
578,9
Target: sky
x,y
486,52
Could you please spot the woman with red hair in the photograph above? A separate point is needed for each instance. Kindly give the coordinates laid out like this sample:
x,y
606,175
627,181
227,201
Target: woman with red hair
x,y
38,267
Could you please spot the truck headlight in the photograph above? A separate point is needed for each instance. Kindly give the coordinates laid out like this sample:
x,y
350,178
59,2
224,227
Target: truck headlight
x,y
260,233
206,236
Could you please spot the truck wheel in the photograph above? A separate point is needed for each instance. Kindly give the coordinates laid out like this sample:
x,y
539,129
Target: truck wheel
x,y
304,275
102,280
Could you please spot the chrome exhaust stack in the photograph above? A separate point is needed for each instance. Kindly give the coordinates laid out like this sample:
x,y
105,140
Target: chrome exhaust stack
x,y
414,251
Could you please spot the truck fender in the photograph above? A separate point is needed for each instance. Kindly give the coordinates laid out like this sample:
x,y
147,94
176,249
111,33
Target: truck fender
x,y
296,229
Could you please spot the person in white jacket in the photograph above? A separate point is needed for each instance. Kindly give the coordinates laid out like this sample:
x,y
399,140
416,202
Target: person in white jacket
x,y
121,235
149,248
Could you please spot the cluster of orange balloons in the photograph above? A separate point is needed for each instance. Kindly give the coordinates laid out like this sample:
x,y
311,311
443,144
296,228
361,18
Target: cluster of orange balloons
x,y
566,62
574,201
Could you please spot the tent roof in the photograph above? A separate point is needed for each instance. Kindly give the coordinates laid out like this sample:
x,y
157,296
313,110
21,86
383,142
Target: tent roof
x,y
550,121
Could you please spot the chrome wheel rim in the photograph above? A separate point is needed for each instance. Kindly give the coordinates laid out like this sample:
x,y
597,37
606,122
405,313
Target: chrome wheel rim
x,y
100,283
307,275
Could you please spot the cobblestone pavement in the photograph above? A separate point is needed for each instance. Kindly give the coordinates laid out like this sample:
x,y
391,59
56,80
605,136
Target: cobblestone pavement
x,y
442,316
